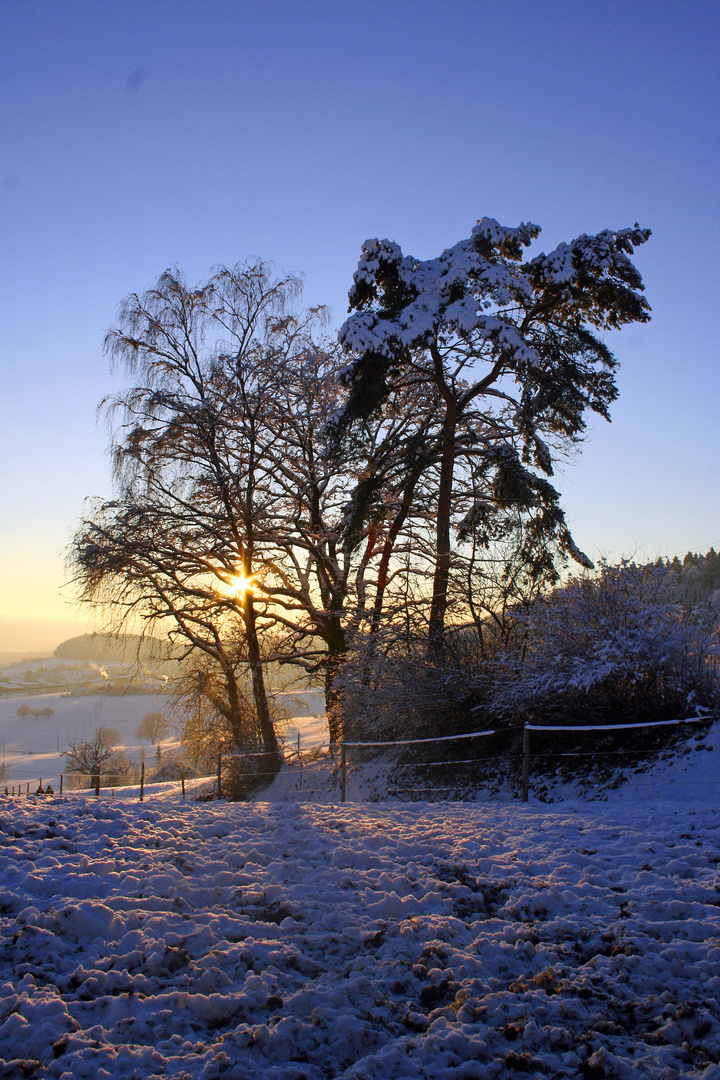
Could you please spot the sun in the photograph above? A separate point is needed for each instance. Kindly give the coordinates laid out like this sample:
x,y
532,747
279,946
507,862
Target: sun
x,y
239,585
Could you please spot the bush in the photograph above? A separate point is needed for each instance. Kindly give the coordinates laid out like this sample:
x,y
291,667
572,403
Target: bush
x,y
175,768
614,648
244,775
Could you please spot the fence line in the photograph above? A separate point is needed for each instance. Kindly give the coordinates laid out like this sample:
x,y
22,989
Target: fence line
x,y
618,727
528,728
24,787
426,764
437,738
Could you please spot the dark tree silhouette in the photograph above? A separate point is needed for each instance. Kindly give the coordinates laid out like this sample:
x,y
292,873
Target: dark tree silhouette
x,y
93,757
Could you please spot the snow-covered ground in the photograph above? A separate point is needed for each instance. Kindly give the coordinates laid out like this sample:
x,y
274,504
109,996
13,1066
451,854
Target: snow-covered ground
x,y
295,937
289,940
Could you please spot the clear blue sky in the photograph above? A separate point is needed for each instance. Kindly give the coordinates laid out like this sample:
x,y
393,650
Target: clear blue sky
x,y
134,136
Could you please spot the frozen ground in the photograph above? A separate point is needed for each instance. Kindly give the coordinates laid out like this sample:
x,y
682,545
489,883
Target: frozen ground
x,y
287,941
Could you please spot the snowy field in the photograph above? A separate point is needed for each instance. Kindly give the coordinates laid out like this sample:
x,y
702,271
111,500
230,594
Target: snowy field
x,y
287,941
32,748
297,939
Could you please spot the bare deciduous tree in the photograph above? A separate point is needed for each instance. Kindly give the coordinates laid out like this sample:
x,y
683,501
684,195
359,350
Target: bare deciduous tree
x,y
233,526
152,728
180,545
93,757
336,521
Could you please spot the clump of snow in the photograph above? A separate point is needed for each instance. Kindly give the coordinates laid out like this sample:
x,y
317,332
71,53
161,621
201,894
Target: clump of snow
x,y
484,271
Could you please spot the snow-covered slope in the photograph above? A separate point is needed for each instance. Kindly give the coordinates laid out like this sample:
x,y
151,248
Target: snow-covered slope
x,y
298,938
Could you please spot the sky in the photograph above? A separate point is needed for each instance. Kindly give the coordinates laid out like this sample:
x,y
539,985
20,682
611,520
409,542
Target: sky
x,y
138,136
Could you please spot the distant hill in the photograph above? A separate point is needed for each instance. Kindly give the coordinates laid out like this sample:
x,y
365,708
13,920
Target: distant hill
x,y
107,647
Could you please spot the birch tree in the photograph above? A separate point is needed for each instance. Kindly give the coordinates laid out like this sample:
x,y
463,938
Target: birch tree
x,y
180,545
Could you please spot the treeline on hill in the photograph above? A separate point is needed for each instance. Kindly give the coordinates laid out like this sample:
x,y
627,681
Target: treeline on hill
x,y
697,576
378,511
103,648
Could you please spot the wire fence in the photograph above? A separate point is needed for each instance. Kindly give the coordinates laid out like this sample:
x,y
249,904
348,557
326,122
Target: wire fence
x,y
617,727
528,731
336,756
534,729
83,785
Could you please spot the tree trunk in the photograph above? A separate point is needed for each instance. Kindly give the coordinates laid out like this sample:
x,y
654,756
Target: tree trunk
x,y
232,713
335,640
389,545
438,606
272,761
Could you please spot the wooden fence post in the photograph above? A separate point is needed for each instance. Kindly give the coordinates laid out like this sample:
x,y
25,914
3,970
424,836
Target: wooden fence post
x,y
343,768
61,782
182,781
219,775
142,781
526,764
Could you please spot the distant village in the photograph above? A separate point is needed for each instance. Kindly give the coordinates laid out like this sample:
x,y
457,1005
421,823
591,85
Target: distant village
x,y
86,665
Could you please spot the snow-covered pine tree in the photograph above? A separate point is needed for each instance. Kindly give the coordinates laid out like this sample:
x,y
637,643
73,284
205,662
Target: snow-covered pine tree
x,y
511,347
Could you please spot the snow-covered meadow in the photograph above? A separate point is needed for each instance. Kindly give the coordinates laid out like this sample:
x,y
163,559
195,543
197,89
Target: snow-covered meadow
x,y
32,748
298,938
293,940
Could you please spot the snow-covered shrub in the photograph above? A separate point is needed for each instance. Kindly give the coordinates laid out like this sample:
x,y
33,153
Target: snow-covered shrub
x,y
613,648
175,766
246,774
389,689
